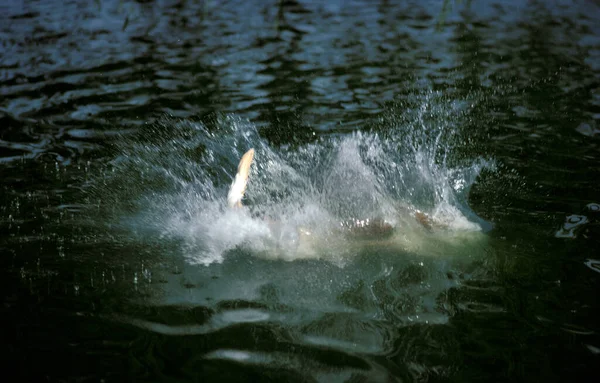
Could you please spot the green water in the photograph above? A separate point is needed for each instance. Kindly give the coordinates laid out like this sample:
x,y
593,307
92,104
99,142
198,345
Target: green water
x,y
121,124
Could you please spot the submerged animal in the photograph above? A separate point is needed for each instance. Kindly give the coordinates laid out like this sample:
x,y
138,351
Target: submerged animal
x,y
368,231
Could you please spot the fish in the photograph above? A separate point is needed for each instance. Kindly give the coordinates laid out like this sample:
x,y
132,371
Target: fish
x,y
366,232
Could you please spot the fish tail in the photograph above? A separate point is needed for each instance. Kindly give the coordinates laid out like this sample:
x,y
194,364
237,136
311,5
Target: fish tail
x,y
238,187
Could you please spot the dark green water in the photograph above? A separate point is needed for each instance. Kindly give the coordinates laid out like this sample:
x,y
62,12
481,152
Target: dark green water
x,y
121,123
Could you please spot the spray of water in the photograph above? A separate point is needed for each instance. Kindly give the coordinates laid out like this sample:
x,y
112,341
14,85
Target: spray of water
x,y
173,182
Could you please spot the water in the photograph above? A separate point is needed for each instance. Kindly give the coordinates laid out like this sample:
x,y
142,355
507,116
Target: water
x,y
122,124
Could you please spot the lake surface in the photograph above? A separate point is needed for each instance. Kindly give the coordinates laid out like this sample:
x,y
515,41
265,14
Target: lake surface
x,y
121,126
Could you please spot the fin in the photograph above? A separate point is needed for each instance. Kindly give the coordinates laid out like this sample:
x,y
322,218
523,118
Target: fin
x,y
238,187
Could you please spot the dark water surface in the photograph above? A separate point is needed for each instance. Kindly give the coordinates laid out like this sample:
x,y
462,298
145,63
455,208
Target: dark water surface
x,y
121,123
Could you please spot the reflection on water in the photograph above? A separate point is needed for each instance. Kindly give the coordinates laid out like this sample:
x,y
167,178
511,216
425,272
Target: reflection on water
x,y
122,124
585,224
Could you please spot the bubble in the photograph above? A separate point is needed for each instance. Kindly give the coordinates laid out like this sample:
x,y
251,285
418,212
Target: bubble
x,y
571,225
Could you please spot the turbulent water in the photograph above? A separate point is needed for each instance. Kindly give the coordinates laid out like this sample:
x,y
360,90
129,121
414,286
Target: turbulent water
x,y
121,127
314,188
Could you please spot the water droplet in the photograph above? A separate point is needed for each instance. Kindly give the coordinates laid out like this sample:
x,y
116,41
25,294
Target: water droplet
x,y
571,225
148,275
593,207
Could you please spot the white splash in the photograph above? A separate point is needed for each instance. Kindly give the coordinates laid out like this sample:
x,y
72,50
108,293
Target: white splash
x,y
296,198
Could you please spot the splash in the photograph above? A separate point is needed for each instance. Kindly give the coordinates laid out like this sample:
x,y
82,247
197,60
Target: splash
x,y
173,183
